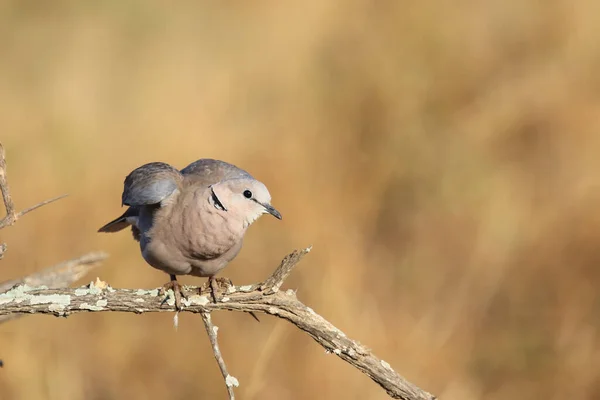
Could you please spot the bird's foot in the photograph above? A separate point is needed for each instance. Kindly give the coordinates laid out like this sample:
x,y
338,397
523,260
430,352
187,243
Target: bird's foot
x,y
214,285
173,284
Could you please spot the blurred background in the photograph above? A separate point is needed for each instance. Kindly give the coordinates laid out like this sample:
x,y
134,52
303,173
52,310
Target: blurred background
x,y
441,157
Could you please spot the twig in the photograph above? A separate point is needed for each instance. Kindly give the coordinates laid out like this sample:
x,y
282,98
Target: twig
x,y
38,205
283,304
57,276
211,330
274,282
10,217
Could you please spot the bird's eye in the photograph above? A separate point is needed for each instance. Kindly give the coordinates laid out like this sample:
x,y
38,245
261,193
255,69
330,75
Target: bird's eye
x,y
247,194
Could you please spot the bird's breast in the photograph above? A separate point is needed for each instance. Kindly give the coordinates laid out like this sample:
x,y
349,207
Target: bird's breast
x,y
209,235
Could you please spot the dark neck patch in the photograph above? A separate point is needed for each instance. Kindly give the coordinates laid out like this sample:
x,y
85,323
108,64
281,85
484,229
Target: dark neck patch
x,y
218,203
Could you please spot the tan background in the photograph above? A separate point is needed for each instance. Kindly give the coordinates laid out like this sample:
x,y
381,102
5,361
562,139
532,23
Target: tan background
x,y
442,157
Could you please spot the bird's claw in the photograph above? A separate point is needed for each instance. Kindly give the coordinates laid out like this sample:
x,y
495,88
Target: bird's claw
x,y
177,293
214,285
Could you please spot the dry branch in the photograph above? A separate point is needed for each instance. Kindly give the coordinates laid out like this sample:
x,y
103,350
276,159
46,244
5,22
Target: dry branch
x,y
211,330
59,275
11,215
264,297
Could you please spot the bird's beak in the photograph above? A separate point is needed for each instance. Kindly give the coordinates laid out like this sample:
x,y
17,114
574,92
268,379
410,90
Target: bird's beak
x,y
271,210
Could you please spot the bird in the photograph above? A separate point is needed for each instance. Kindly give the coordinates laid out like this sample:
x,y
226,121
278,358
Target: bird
x,y
190,221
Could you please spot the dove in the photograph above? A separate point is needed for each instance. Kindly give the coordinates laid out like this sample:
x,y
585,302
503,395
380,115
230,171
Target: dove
x,y
191,221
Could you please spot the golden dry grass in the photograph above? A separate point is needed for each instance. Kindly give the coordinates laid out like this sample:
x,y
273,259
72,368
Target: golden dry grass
x,y
442,157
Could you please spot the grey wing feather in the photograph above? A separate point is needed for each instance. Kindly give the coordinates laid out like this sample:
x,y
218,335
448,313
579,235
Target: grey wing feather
x,y
144,187
150,184
209,171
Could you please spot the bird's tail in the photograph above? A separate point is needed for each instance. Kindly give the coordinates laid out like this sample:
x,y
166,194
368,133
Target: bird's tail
x,y
129,218
115,225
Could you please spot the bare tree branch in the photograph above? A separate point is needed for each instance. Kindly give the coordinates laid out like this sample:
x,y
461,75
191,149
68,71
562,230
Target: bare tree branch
x,y
25,299
57,276
11,215
60,275
38,205
274,282
211,330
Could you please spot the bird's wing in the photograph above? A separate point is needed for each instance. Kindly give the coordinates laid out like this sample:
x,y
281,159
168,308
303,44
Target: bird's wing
x,y
207,171
150,184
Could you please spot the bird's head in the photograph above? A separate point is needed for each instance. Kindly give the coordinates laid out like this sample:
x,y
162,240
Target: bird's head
x,y
245,199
